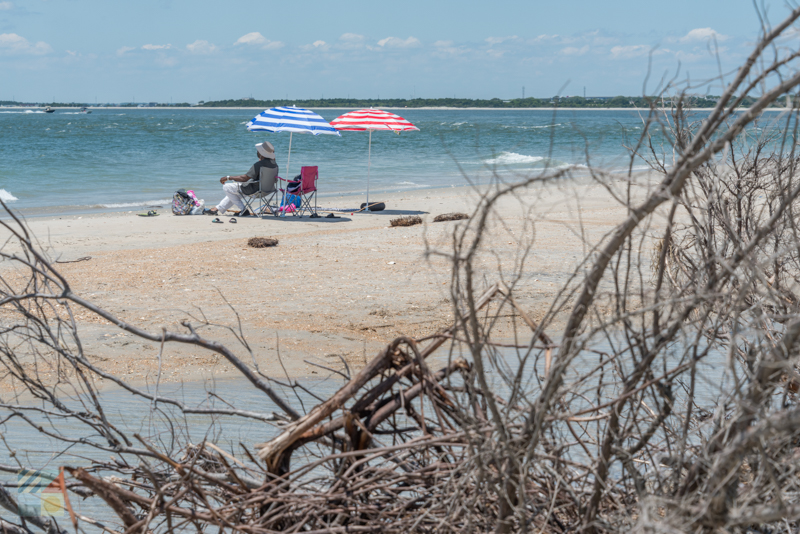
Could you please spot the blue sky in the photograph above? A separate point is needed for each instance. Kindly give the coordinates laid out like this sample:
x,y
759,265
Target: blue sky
x,y
157,50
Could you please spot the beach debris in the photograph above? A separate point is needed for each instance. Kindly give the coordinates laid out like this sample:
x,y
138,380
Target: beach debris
x,y
85,258
450,217
262,242
391,263
411,220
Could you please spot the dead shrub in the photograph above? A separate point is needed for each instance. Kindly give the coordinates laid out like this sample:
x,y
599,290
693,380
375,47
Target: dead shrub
x,y
450,217
262,242
406,221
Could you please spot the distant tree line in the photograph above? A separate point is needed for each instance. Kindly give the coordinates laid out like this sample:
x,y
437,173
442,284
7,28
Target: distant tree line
x,y
88,104
531,102
566,101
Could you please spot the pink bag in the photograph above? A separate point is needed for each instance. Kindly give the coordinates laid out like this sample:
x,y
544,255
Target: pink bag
x,y
193,197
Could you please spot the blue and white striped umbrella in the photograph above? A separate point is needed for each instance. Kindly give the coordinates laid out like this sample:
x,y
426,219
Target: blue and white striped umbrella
x,y
292,120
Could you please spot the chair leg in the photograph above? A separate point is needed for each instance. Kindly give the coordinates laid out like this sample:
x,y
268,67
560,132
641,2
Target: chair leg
x,y
268,202
305,203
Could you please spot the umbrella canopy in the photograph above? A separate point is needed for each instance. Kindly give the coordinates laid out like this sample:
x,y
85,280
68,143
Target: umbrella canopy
x,y
292,120
370,120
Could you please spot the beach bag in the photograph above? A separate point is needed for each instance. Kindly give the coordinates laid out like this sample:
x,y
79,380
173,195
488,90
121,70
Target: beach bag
x,y
294,185
290,200
199,208
197,201
182,203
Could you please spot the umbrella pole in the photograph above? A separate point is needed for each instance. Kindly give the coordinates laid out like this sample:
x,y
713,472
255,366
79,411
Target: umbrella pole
x,y
369,163
289,159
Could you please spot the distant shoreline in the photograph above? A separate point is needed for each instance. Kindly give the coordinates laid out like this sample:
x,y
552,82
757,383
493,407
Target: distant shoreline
x,y
392,108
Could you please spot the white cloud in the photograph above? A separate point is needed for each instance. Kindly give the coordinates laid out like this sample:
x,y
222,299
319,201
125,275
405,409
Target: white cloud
x,y
252,38
350,41
351,37
6,6
256,39
597,38
573,51
630,51
11,43
538,39
156,47
395,42
201,47
447,48
125,49
702,34
72,53
316,45
497,40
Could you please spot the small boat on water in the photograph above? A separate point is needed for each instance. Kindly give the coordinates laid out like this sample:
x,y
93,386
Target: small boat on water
x,y
48,109
85,110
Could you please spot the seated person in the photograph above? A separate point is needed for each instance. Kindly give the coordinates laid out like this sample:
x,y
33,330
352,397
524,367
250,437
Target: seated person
x,y
232,187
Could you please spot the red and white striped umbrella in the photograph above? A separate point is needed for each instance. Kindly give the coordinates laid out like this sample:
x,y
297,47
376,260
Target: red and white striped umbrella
x,y
370,120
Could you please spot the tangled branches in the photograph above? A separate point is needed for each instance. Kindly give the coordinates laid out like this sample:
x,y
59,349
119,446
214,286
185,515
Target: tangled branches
x,y
667,403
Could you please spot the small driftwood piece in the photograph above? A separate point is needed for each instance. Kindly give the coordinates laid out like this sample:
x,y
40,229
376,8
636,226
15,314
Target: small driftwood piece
x,y
411,220
450,217
262,242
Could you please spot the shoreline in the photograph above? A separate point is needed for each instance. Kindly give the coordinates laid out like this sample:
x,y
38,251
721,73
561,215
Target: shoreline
x,y
355,196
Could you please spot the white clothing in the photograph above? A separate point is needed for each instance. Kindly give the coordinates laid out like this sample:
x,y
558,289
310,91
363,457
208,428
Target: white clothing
x,y
232,197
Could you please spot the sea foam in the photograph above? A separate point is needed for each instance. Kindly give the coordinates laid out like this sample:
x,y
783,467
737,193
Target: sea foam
x,y
5,196
512,158
135,204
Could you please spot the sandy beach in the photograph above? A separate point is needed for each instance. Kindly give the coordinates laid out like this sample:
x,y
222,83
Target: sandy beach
x,y
332,289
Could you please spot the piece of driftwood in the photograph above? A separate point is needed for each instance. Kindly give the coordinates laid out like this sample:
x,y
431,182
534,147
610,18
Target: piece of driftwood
x,y
411,220
262,242
450,217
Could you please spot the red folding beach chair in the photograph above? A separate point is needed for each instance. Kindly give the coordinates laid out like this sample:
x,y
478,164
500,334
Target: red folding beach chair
x,y
305,189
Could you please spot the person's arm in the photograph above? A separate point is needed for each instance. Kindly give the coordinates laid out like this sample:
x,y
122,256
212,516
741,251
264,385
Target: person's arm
x,y
240,178
249,175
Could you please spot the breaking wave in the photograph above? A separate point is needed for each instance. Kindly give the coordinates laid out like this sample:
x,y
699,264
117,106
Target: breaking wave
x,y
135,204
512,158
5,196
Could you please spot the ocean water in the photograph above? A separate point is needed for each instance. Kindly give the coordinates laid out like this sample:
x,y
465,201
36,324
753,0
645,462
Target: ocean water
x,y
127,159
